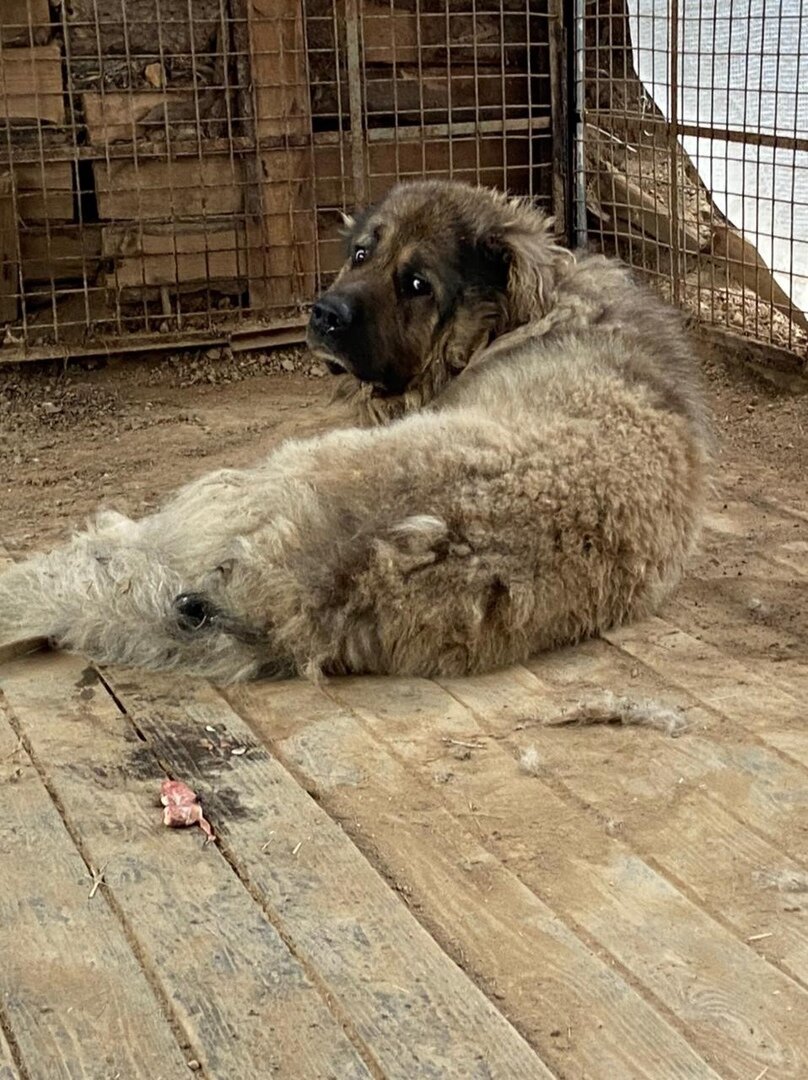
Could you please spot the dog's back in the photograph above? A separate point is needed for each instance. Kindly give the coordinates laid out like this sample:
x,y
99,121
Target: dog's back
x,y
606,338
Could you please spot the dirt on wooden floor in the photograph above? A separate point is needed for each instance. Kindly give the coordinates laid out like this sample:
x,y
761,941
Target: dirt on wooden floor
x,y
128,433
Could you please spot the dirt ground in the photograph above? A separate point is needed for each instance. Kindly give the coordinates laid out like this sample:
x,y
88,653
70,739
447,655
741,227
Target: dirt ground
x,y
127,433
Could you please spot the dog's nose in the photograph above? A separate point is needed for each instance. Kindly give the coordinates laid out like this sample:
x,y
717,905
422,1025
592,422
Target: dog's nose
x,y
331,316
193,611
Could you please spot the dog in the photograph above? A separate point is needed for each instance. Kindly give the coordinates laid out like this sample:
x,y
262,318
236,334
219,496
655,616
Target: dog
x,y
530,470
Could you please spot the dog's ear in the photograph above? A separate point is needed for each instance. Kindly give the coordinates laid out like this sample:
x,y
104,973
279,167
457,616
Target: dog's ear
x,y
524,247
352,226
491,260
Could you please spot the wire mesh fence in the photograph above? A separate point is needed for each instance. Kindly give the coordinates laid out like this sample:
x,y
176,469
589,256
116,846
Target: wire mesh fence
x,y
175,171
692,155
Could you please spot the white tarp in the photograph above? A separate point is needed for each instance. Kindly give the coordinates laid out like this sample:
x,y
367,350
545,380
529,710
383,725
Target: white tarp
x,y
742,66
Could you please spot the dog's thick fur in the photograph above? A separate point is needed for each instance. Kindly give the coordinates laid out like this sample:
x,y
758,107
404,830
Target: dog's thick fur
x,y
541,477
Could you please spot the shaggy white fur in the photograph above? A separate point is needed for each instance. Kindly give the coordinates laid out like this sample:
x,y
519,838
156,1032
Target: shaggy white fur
x,y
545,481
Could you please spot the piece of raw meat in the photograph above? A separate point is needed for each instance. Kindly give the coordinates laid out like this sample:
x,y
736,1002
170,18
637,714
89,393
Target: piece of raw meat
x,y
182,808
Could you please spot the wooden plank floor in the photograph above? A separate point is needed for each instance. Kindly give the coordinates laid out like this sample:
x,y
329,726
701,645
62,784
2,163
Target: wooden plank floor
x,y
420,879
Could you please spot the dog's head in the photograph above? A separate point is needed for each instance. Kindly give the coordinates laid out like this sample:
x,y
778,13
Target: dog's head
x,y
435,271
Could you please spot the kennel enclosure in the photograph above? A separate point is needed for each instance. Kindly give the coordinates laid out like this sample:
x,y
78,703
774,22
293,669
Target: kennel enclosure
x,y
177,172
174,174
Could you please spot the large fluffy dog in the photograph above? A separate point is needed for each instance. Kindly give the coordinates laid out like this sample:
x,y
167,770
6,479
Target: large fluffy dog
x,y
540,479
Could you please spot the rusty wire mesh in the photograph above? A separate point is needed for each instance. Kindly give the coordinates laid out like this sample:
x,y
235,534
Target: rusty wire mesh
x,y
692,155
175,170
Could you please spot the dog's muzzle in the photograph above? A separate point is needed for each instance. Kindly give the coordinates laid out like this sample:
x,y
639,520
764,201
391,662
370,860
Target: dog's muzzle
x,y
193,612
334,325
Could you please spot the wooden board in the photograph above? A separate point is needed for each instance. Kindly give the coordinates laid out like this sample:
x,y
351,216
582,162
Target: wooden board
x,y
692,820
410,94
414,1008
407,32
174,256
60,254
31,85
763,791
411,34
495,161
24,22
681,955
44,191
158,189
715,679
114,116
238,996
466,896
9,257
389,35
433,95
72,992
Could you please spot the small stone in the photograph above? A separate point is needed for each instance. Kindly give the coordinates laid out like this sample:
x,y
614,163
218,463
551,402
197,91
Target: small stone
x,y
154,75
758,609
194,1065
288,365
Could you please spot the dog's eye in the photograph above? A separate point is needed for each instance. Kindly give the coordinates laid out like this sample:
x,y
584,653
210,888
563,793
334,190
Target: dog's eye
x,y
359,256
416,285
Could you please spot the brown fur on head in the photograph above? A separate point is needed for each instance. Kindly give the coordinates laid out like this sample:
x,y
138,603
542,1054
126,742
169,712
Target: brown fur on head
x,y
435,272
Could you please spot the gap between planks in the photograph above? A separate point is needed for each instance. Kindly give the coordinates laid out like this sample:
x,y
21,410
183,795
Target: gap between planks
x,y
11,1067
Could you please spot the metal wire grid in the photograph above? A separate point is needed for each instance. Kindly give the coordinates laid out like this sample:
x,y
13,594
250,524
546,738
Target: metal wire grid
x,y
676,171
421,88
174,170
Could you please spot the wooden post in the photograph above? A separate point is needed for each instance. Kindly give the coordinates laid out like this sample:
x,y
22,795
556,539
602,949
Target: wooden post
x,y
282,234
8,253
278,57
